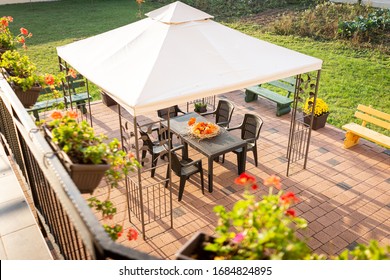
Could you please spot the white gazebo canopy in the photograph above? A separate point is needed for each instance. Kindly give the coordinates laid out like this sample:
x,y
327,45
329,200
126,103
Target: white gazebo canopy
x,y
178,54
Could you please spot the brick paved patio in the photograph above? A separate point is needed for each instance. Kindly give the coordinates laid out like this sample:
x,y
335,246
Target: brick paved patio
x,y
345,194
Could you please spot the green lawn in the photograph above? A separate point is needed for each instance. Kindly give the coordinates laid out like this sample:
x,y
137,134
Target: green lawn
x,y
349,76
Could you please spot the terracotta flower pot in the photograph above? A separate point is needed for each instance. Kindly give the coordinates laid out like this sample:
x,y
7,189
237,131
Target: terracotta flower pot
x,y
29,97
318,122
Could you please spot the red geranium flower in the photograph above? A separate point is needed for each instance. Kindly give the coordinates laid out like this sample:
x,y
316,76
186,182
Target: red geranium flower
x,y
72,73
132,234
49,79
56,115
72,114
288,197
4,22
246,180
21,40
24,31
291,212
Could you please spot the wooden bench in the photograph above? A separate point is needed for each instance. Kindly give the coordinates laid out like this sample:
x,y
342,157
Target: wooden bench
x,y
368,115
71,96
282,102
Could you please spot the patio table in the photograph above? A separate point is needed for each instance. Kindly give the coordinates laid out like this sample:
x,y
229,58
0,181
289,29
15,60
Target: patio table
x,y
212,148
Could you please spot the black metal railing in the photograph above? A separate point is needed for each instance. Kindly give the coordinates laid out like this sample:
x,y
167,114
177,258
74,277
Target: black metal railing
x,y
63,214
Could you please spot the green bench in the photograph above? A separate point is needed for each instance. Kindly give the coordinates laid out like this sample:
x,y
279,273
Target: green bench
x,y
282,102
71,96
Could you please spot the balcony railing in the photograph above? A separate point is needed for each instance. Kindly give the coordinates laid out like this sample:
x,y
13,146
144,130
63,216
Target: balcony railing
x,y
63,214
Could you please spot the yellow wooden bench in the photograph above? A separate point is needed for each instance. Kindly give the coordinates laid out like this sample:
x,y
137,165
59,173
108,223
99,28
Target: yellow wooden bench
x,y
368,115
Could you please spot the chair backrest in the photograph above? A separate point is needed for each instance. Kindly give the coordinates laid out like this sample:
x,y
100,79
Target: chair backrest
x,y
224,111
251,126
175,164
146,141
172,111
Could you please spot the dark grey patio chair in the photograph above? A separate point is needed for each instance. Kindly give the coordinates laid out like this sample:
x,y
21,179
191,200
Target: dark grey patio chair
x,y
223,113
184,168
163,114
155,148
172,111
250,132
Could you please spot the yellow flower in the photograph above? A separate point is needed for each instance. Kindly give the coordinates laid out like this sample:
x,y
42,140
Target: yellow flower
x,y
320,109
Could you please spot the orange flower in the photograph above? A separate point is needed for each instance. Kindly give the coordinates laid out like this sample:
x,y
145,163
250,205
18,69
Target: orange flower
x,y
49,79
24,31
191,121
72,73
10,19
56,115
130,155
4,22
132,234
273,181
72,114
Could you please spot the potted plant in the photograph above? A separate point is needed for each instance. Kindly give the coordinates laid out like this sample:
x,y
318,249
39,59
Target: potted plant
x,y
200,107
258,229
84,152
321,112
7,39
88,159
22,76
263,229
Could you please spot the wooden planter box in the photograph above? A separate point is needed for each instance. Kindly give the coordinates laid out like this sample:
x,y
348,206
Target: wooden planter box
x,y
193,249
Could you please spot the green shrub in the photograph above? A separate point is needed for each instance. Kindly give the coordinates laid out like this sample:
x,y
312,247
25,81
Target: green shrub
x,y
322,21
366,28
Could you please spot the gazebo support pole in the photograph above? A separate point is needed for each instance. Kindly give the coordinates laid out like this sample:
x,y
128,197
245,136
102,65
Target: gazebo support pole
x,y
300,133
293,122
312,114
139,176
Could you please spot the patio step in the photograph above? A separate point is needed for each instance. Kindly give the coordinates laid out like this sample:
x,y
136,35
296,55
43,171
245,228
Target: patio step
x,y
20,236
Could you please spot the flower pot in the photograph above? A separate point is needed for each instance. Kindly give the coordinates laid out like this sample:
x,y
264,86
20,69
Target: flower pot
x,y
194,248
29,97
86,177
107,100
201,109
318,122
